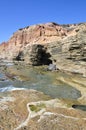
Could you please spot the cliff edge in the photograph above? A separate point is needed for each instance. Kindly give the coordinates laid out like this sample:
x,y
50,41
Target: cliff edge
x,y
43,44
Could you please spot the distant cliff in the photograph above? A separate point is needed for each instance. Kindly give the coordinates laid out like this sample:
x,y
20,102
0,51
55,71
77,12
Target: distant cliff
x,y
44,43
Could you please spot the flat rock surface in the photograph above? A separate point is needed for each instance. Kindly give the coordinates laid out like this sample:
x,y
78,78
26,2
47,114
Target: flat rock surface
x,y
23,108
29,109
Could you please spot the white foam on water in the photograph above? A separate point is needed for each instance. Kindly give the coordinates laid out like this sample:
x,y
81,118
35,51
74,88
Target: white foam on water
x,y
10,88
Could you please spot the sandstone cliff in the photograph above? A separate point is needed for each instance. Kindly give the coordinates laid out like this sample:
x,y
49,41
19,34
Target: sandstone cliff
x,y
44,43
24,38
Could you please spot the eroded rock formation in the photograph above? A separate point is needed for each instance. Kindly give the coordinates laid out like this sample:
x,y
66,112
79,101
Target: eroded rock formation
x,y
44,43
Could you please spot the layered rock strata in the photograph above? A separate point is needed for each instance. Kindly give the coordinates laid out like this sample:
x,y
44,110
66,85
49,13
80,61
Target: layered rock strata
x,y
46,43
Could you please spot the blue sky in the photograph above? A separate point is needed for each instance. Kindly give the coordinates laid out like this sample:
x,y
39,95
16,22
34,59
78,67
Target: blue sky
x,y
15,14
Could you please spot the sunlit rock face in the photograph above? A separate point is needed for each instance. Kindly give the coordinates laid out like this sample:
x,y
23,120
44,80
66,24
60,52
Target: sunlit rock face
x,y
24,38
43,43
30,35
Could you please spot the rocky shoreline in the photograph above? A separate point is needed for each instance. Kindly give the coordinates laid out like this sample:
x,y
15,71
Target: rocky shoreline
x,y
43,78
45,43
33,110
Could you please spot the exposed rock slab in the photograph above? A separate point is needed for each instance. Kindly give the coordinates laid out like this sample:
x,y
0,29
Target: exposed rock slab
x,y
29,109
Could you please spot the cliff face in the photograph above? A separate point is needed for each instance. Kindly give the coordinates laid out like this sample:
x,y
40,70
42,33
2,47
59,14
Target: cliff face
x,y
26,37
44,43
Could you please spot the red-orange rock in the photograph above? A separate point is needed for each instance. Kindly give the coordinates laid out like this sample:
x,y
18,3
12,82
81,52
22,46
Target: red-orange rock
x,y
36,34
64,43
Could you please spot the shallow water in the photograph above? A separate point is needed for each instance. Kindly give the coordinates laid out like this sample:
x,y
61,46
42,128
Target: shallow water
x,y
41,80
